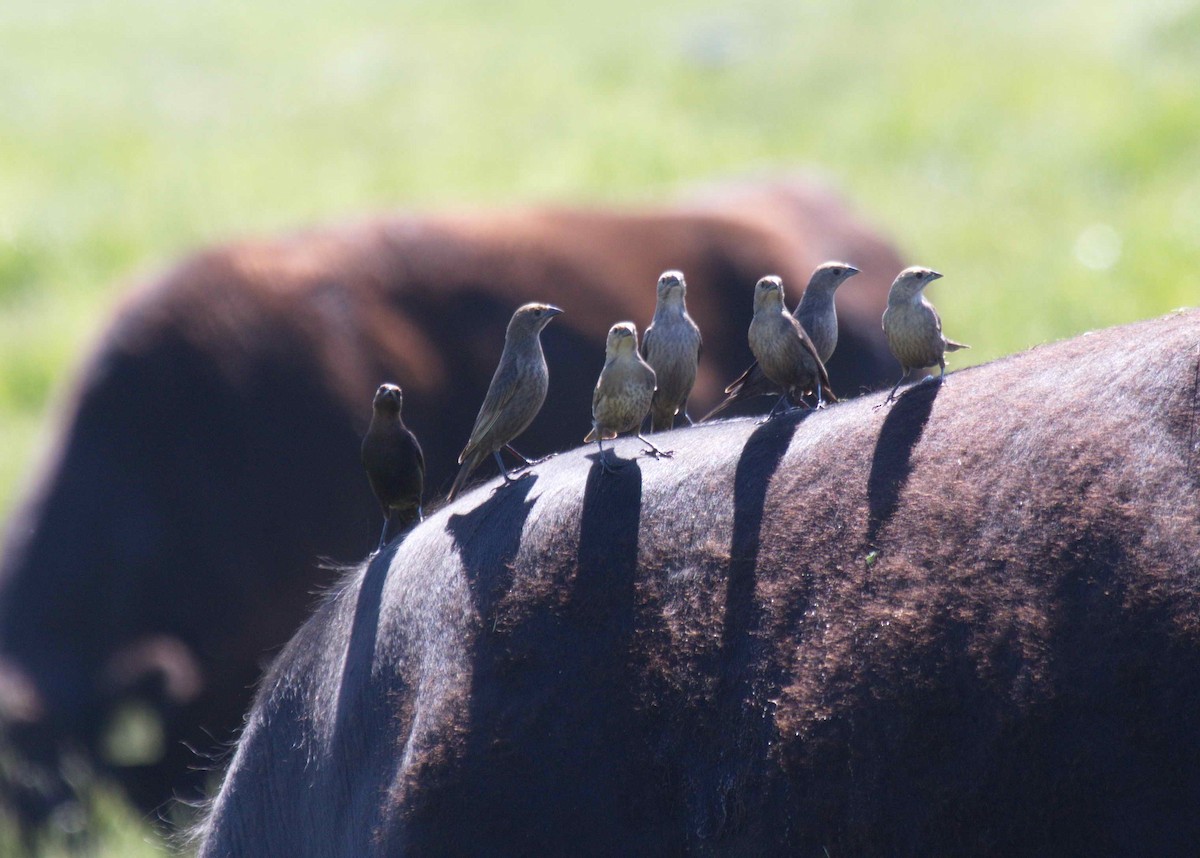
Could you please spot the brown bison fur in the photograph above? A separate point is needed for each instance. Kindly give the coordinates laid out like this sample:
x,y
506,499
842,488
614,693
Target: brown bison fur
x,y
211,454
968,624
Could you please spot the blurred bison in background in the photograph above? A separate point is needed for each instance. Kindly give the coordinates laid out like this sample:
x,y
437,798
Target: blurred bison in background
x,y
965,625
210,457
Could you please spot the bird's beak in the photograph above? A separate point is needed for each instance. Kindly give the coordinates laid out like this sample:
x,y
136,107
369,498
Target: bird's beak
x,y
933,275
851,271
553,311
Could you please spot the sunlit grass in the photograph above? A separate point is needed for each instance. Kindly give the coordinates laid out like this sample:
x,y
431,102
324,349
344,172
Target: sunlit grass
x,y
1043,156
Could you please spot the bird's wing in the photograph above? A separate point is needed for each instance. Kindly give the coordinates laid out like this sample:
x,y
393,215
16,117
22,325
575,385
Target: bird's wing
x,y
647,336
807,343
502,389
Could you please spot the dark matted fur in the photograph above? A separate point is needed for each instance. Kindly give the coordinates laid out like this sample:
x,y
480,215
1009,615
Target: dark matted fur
x,y
967,624
210,455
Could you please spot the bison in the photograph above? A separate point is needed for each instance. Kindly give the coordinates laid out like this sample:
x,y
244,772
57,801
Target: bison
x,y
967,624
209,457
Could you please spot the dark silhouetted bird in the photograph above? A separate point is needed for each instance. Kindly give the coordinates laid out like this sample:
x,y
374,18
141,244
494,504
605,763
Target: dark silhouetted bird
x,y
394,462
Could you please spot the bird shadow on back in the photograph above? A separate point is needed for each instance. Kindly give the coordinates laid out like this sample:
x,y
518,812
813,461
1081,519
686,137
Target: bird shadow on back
x,y
487,539
357,713
891,461
737,725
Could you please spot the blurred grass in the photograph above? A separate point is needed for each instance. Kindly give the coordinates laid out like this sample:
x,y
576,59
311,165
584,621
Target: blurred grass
x,y
1044,156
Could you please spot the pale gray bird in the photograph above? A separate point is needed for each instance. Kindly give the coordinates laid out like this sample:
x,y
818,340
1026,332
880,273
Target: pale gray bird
x,y
783,350
623,392
394,462
817,314
671,345
515,395
913,328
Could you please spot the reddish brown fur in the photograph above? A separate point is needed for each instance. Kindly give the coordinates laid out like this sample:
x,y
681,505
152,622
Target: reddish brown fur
x,y
969,624
211,455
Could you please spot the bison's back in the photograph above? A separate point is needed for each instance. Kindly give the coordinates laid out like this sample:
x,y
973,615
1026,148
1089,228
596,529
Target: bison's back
x,y
968,624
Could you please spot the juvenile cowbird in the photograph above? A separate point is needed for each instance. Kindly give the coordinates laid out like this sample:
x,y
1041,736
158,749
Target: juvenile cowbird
x,y
913,328
623,393
783,350
816,314
515,395
671,345
394,462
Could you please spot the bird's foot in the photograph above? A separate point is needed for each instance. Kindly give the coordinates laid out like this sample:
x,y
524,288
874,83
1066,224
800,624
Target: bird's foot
x,y
512,481
656,453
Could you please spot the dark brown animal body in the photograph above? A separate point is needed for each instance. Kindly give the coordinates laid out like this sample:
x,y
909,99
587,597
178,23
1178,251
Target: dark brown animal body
x,y
172,543
967,625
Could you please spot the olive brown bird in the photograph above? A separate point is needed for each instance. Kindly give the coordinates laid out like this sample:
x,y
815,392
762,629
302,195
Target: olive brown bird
x,y
514,397
783,350
817,314
913,327
624,392
671,345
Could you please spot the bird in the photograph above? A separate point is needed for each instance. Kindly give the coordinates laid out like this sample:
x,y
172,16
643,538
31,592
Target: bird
x,y
671,345
515,395
783,350
394,462
624,392
817,314
913,327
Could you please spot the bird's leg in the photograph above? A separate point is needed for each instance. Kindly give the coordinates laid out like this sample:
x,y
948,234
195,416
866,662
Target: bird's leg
x,y
820,396
687,416
503,470
420,513
604,465
383,537
654,451
892,395
774,408
942,374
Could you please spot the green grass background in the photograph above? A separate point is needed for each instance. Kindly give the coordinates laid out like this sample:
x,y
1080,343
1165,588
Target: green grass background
x,y
1045,156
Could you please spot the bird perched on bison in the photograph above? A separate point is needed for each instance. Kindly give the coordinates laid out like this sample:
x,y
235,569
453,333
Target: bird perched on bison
x,y
913,327
394,462
515,395
624,392
817,314
671,345
782,348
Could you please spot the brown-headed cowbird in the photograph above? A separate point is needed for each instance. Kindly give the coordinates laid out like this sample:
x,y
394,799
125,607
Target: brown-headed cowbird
x,y
913,328
394,462
783,350
817,314
623,392
671,345
515,395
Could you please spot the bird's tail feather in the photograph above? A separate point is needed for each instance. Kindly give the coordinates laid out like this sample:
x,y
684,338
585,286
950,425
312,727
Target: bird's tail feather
x,y
721,406
464,473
